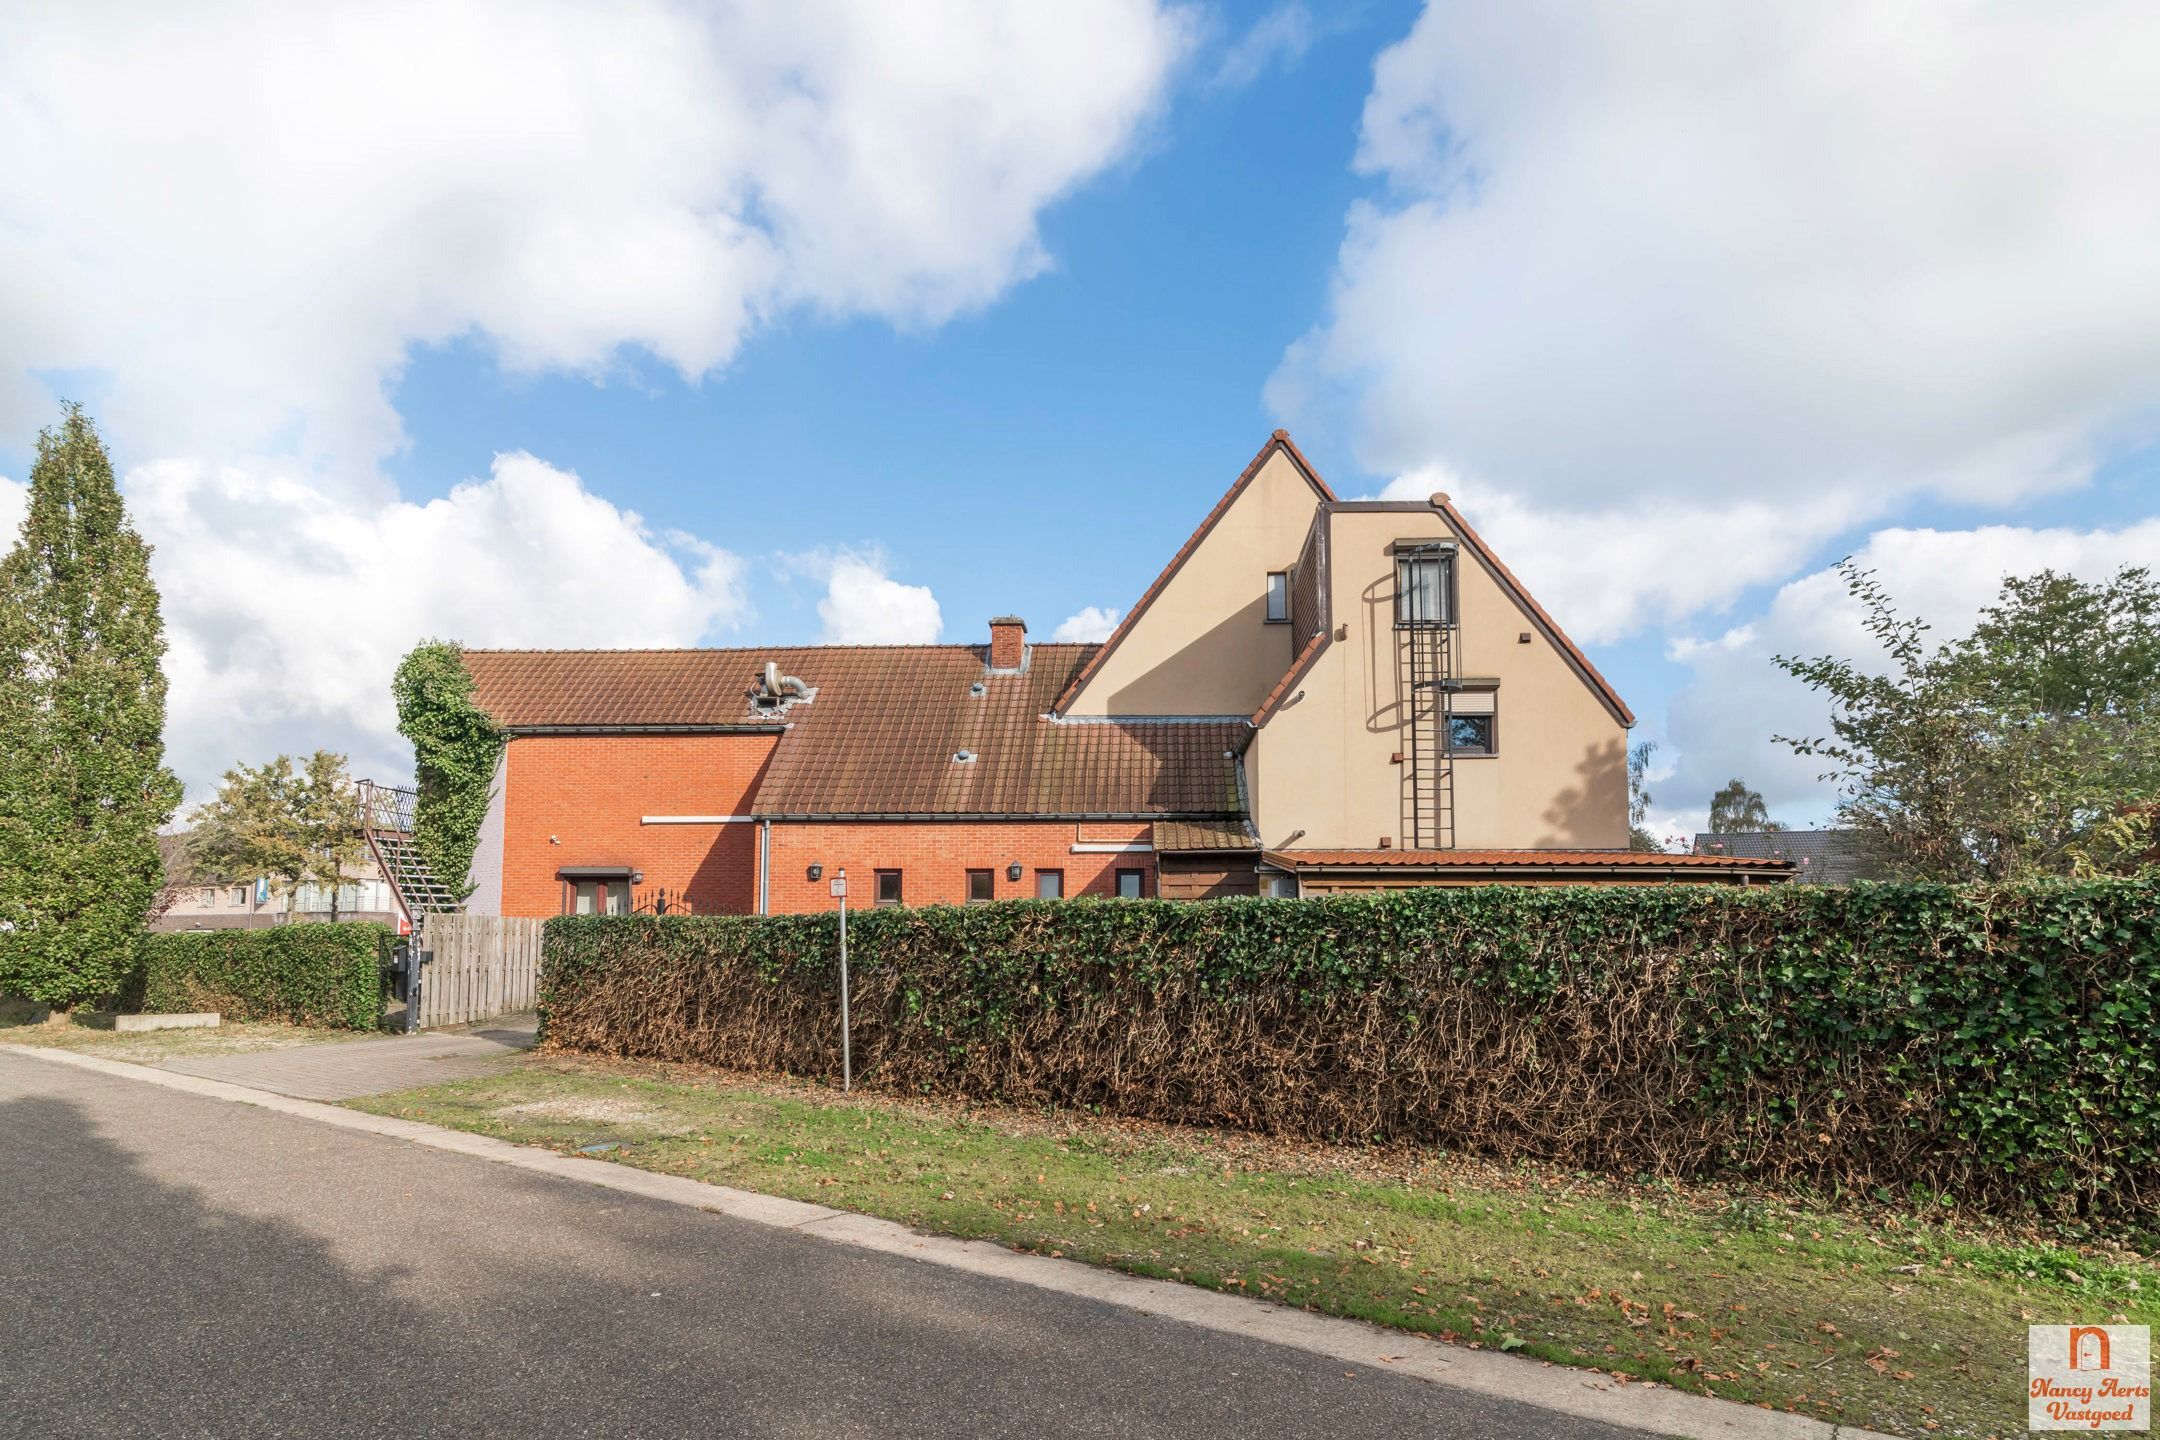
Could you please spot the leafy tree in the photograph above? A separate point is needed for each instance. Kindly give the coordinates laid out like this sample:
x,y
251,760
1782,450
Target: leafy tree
x,y
83,783
2029,747
1639,797
296,823
1736,808
455,747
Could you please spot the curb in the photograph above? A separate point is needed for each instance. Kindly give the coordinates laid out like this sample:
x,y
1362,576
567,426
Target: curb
x,y
1584,1394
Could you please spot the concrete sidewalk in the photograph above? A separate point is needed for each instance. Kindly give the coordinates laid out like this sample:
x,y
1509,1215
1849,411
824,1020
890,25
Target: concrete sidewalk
x,y
370,1067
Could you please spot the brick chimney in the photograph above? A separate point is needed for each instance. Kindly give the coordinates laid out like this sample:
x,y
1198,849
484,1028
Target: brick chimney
x,y
1008,642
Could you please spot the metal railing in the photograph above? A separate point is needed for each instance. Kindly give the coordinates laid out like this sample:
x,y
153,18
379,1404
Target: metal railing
x,y
386,807
386,820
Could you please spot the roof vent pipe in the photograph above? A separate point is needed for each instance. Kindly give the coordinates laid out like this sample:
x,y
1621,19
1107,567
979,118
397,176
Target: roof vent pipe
x,y
779,684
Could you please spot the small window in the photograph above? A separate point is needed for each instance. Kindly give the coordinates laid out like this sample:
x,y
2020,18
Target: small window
x,y
1049,884
888,887
239,894
1470,734
1282,887
600,897
982,886
1131,884
1278,597
1424,588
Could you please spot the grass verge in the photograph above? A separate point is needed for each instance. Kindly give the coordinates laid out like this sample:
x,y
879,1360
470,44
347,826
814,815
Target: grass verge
x,y
1884,1321
92,1033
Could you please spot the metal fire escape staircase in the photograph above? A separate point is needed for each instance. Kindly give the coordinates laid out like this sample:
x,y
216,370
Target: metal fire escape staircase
x,y
1429,685
386,815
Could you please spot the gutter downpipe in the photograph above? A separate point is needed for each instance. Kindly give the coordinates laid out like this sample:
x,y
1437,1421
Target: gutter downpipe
x,y
764,866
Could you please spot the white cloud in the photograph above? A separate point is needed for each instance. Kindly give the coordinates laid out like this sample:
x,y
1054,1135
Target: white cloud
x,y
1720,722
1610,570
864,605
230,225
1718,282
1280,37
245,214
1092,625
287,608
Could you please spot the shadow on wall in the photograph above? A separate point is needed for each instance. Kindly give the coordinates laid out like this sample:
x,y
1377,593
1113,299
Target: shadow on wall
x,y
725,881
1592,813
1221,659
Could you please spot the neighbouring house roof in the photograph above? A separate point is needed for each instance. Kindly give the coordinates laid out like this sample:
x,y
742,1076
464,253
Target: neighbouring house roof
x,y
1514,857
1823,857
881,734
1520,860
1280,440
1175,836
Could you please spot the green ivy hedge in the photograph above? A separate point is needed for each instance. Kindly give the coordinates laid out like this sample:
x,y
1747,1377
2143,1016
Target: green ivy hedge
x,y
307,974
1999,1045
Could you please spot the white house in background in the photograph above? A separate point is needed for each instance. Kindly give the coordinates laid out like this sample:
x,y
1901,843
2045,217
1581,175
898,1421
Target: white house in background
x,y
197,902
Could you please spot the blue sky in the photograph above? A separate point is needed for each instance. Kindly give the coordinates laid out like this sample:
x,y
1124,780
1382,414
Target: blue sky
x,y
1089,416
836,325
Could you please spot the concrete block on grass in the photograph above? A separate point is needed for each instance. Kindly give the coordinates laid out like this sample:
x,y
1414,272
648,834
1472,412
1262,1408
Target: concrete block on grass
x,y
200,1020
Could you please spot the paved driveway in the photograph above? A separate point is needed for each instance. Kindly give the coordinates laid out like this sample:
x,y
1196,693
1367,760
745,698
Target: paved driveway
x,y
178,1266
352,1068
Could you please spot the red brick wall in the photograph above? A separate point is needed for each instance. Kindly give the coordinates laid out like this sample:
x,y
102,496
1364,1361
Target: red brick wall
x,y
590,791
934,857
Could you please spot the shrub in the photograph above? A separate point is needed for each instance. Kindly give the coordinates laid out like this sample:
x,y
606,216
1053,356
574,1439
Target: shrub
x,y
1999,1044
301,974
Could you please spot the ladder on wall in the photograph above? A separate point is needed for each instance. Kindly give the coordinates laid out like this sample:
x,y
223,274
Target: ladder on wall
x,y
386,814
1426,643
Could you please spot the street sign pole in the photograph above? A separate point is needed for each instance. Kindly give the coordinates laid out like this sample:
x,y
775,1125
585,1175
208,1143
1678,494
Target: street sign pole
x,y
847,1056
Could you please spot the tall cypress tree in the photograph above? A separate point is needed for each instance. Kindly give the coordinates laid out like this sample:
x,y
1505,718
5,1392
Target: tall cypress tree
x,y
83,783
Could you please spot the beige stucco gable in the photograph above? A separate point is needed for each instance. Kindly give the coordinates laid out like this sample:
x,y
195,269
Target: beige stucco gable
x,y
1322,770
1199,643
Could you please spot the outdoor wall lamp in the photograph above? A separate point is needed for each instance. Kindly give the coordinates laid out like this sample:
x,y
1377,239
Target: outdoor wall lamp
x,y
817,872
1012,871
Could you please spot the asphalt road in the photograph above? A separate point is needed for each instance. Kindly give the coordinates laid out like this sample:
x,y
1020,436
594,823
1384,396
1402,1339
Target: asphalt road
x,y
178,1266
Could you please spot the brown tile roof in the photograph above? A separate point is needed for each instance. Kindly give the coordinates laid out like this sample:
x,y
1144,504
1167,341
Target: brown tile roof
x,y
1338,859
1280,440
1173,836
880,737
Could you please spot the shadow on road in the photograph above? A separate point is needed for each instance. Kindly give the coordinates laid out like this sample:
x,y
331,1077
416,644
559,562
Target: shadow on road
x,y
130,1306
180,1267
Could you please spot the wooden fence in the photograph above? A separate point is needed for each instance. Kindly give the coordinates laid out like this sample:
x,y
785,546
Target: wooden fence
x,y
485,965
